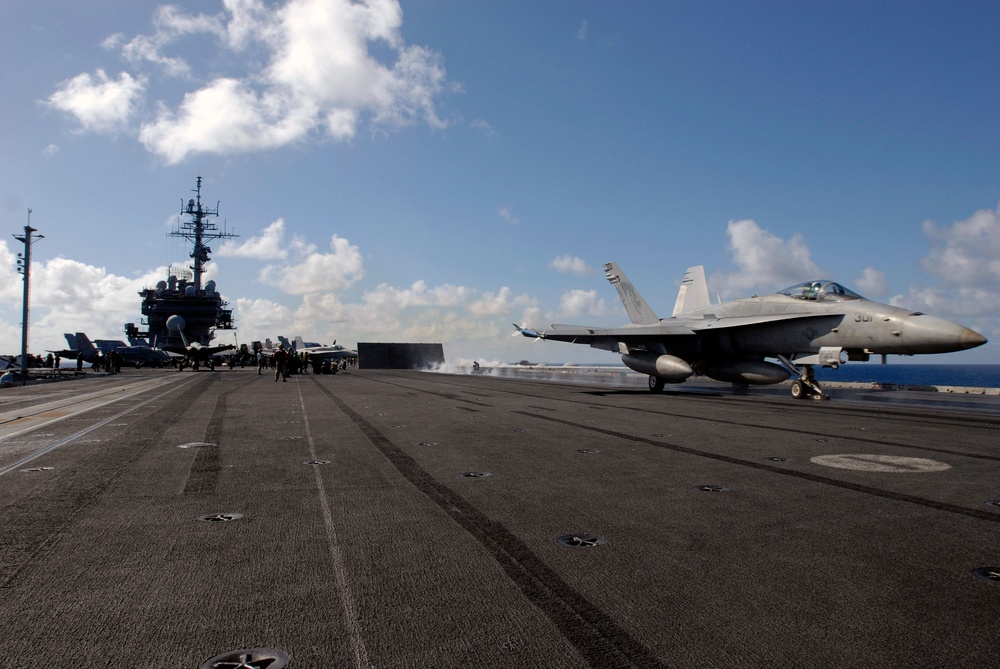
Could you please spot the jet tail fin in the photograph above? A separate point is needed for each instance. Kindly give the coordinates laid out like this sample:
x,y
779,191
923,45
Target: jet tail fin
x,y
693,293
83,343
639,312
71,341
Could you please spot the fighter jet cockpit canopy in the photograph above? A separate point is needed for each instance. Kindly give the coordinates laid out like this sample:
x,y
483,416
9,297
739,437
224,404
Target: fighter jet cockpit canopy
x,y
820,291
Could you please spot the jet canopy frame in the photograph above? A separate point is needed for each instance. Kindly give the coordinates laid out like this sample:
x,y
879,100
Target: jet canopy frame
x,y
820,291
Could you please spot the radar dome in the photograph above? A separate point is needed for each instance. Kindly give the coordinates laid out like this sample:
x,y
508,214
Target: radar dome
x,y
175,323
210,287
161,285
190,291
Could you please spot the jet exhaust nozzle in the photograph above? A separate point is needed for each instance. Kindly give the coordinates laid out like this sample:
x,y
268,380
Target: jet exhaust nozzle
x,y
670,368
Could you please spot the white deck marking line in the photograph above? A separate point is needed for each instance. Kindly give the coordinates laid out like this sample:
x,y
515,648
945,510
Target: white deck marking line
x,y
138,388
340,572
62,442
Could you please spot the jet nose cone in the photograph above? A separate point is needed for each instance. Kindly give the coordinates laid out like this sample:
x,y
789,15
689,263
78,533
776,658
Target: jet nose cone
x,y
928,334
971,339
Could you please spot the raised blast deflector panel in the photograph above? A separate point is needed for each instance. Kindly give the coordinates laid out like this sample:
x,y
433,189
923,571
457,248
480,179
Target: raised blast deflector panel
x,y
399,356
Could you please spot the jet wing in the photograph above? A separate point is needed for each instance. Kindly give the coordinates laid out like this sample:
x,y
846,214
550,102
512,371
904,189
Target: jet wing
x,y
665,330
608,338
212,350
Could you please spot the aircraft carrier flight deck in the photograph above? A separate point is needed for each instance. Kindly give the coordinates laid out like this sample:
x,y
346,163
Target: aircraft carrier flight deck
x,y
390,519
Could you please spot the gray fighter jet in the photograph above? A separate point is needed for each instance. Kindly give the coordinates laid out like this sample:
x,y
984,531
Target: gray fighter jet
x,y
334,354
809,324
134,356
195,353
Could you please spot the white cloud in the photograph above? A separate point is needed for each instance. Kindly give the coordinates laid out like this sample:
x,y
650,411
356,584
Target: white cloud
x,y
765,261
99,103
269,245
227,116
497,304
582,303
170,23
318,272
571,264
315,75
871,283
69,296
261,316
507,213
484,127
965,257
581,33
967,252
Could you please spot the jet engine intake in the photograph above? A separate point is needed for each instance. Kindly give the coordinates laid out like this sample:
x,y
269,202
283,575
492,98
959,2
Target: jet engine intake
x,y
670,368
754,372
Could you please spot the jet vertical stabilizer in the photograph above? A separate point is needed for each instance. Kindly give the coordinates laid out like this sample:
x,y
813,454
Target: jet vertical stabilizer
x,y
639,312
693,293
83,343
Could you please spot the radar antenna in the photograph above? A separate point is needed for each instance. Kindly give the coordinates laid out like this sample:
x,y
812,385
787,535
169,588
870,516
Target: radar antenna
x,y
198,230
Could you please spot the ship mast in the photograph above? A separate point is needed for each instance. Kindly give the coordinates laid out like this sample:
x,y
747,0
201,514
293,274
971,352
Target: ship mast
x,y
198,230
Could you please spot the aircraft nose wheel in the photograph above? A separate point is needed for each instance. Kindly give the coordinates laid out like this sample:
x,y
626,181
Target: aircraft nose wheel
x,y
802,390
798,389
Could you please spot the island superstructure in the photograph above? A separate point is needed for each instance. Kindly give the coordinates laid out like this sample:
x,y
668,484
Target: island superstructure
x,y
201,309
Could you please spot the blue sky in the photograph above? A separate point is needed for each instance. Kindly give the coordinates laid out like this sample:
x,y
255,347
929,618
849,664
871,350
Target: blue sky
x,y
433,171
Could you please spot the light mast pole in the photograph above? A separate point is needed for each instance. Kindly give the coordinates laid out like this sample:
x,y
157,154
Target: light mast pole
x,y
24,267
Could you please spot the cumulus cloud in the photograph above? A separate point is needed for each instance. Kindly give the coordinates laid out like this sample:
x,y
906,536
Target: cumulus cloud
x,y
268,245
582,303
69,296
871,283
965,258
570,264
99,103
313,73
765,261
966,252
317,272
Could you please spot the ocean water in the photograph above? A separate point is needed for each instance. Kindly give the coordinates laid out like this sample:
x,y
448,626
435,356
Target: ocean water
x,y
969,376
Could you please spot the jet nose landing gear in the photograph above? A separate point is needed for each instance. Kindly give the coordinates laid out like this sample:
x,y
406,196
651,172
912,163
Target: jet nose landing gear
x,y
805,386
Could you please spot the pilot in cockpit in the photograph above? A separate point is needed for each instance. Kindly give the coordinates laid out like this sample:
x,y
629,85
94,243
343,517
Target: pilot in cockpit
x,y
810,291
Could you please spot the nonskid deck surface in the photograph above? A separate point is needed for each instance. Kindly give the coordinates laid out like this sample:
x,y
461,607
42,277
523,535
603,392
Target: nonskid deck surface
x,y
404,519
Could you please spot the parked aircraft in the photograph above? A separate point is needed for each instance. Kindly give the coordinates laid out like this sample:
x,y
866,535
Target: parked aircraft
x,y
318,354
811,323
134,356
194,352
